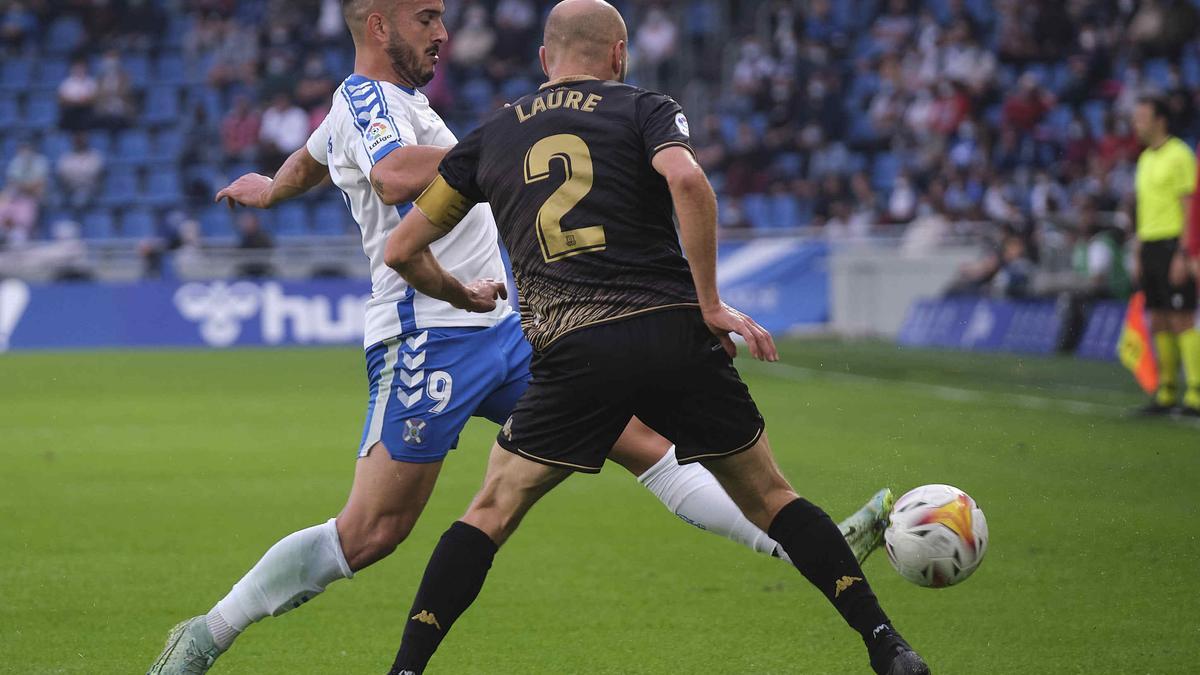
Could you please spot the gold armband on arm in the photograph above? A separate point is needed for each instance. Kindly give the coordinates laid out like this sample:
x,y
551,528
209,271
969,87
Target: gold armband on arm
x,y
443,205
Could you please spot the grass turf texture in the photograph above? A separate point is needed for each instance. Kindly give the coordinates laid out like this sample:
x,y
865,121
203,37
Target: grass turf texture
x,y
135,488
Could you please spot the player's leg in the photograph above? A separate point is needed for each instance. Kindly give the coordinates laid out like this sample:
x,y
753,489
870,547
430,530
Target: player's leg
x,y
1155,264
1182,324
817,549
690,492
460,562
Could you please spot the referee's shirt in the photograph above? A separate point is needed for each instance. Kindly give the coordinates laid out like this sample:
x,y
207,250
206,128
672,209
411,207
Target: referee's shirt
x,y
1164,178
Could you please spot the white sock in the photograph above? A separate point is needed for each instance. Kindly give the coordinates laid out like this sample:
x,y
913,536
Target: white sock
x,y
292,572
693,494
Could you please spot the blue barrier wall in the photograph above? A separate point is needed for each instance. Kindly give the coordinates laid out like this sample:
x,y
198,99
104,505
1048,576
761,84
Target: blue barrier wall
x,y
1031,327
982,324
784,285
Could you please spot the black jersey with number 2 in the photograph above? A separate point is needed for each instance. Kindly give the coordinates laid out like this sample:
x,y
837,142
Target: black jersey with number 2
x,y
586,219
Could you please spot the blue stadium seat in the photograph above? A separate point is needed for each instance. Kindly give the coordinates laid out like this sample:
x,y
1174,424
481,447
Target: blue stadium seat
x,y
169,69
330,218
1190,69
163,187
291,220
1158,73
162,105
887,167
120,187
785,211
168,146
16,72
56,144
102,141
42,110
98,224
66,35
137,224
132,147
1094,112
217,221
137,66
52,70
757,211
10,114
8,145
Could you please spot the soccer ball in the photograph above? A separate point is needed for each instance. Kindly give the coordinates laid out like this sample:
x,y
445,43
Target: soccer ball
x,y
937,536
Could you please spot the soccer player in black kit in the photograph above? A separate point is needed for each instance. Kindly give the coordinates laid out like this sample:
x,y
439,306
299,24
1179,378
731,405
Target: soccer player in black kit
x,y
584,177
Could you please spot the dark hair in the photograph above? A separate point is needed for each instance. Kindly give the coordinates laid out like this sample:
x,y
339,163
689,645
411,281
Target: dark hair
x,y
1158,104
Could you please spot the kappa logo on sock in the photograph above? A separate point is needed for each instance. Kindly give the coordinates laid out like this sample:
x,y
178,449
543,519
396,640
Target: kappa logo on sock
x,y
843,584
879,629
427,617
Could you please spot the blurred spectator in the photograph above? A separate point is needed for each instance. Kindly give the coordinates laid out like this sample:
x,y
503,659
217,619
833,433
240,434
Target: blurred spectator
x,y
182,242
474,41
115,107
1026,107
655,43
234,45
79,172
21,198
240,130
17,25
1098,257
251,237
77,98
902,204
314,91
284,129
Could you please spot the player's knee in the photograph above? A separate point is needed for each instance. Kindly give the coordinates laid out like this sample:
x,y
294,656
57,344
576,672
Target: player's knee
x,y
374,540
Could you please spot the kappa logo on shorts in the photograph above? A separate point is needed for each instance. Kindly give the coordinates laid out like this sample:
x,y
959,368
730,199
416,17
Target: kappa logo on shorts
x,y
414,431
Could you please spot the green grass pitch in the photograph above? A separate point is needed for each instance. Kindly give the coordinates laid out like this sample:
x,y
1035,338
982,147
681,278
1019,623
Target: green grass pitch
x,y
135,488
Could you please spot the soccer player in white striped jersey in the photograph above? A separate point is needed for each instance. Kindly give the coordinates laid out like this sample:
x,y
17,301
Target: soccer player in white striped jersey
x,y
431,366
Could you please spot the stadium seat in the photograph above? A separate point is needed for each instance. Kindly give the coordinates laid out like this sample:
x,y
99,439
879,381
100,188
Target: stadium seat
x,y
66,35
169,69
137,224
785,211
52,70
42,110
163,187
10,114
757,211
162,105
98,224
120,187
137,66
55,144
291,220
217,221
1094,112
330,218
16,73
167,147
132,147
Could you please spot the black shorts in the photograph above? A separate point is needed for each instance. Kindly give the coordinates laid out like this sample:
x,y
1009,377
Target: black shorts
x,y
1156,278
664,366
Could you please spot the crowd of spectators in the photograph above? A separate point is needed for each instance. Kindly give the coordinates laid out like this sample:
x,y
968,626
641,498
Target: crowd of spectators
x,y
921,119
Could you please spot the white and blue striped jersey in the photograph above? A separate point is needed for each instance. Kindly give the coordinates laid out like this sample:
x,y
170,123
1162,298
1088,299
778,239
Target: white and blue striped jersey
x,y
368,120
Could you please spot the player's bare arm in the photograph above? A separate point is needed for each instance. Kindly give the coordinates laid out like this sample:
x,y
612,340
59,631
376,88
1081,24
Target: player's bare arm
x,y
299,174
696,207
405,173
408,253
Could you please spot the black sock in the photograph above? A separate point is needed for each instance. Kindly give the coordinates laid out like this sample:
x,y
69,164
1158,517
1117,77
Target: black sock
x,y
819,551
452,581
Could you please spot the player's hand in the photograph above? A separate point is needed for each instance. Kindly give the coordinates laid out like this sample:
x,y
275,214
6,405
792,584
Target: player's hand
x,y
1179,270
253,190
725,320
481,296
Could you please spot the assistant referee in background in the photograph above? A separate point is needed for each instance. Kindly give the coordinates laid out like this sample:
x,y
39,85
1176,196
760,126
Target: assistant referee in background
x,y
1166,177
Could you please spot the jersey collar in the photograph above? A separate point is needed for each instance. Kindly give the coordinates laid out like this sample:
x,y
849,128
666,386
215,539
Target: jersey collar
x,y
356,79
570,79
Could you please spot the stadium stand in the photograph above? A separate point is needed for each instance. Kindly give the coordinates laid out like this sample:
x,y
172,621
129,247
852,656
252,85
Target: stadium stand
x,y
852,118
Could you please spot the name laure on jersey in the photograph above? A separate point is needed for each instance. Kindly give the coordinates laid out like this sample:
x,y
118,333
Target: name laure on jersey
x,y
558,98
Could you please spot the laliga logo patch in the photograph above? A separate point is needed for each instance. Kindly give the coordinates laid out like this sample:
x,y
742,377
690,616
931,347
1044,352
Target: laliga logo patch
x,y
379,133
682,123
219,308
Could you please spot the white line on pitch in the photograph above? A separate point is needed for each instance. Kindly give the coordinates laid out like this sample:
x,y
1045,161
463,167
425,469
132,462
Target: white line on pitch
x,y
946,393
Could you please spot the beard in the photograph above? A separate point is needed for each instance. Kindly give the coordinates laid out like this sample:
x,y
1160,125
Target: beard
x,y
408,65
